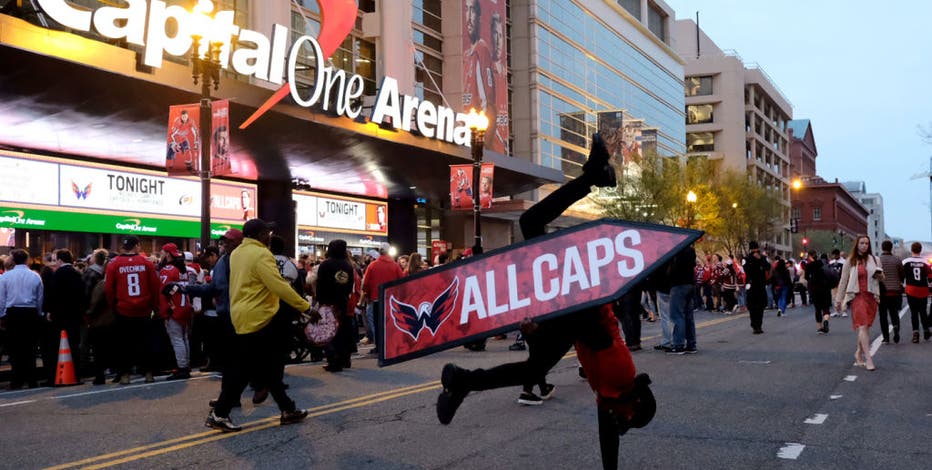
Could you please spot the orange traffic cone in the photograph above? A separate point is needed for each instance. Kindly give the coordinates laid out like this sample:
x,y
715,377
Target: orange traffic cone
x,y
64,374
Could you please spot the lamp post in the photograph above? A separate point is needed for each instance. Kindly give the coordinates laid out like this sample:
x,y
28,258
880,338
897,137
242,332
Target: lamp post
x,y
206,70
691,199
478,123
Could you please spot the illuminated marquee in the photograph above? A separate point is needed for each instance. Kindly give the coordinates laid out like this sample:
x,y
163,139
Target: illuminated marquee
x,y
143,23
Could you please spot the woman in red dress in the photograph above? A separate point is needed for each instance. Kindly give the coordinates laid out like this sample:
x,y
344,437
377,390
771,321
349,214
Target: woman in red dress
x,y
859,288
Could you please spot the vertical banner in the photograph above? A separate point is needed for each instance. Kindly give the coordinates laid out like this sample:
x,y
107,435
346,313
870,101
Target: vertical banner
x,y
220,138
486,178
183,145
632,140
461,187
485,69
610,128
438,247
649,142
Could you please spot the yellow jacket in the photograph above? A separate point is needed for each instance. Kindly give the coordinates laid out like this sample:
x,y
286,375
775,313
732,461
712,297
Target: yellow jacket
x,y
256,286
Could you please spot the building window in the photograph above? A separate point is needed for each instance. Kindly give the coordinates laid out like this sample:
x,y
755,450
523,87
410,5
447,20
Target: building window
x,y
796,212
633,7
698,86
427,13
817,213
656,22
700,141
698,113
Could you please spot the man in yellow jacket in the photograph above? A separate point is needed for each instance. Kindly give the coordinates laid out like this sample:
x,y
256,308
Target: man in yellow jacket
x,y
256,286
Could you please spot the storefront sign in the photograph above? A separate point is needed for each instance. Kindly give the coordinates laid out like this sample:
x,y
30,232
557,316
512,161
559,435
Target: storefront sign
x,y
147,24
37,219
332,212
581,267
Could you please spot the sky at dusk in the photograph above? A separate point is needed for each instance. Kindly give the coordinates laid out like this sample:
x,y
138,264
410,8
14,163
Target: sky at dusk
x,y
860,71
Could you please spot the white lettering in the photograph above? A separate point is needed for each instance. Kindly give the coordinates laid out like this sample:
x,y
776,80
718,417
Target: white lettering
x,y
446,121
472,301
252,61
461,134
426,118
494,308
334,77
408,109
292,63
596,261
67,15
134,29
538,276
354,90
157,40
635,257
513,301
573,271
279,45
386,103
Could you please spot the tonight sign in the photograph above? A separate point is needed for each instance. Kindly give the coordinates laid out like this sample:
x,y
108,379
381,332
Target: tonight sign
x,y
144,23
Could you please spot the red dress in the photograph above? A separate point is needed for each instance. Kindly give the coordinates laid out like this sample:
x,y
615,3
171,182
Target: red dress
x,y
864,305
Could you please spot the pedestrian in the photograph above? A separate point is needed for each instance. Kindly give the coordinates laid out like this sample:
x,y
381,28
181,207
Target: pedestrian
x,y
175,308
381,270
67,306
917,291
132,289
820,291
758,271
782,285
200,339
891,292
859,288
99,318
628,311
21,296
622,399
335,280
256,286
837,263
680,276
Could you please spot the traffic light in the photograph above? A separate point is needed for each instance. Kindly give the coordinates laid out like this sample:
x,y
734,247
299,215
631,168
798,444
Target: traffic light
x,y
794,225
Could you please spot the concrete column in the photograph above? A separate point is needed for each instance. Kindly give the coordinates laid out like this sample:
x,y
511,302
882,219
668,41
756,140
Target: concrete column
x,y
395,46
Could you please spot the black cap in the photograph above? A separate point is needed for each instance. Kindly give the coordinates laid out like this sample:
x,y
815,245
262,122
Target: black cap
x,y
753,246
254,227
129,242
336,249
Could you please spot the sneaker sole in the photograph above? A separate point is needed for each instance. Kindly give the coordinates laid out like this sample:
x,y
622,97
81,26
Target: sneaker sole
x,y
530,402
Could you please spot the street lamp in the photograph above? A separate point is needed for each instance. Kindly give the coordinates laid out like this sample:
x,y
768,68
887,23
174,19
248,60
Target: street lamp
x,y
691,199
205,62
478,123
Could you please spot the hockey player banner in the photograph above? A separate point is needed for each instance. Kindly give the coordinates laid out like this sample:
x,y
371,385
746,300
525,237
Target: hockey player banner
x,y
183,155
549,276
220,138
461,189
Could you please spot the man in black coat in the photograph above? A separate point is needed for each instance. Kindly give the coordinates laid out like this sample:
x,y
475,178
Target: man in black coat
x,y
67,303
335,278
757,269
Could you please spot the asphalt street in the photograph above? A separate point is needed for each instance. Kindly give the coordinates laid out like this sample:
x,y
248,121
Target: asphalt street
x,y
786,399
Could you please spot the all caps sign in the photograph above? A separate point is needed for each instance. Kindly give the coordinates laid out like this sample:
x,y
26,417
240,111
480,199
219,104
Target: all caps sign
x,y
561,273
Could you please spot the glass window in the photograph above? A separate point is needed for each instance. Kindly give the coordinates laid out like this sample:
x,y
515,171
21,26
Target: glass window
x,y
427,13
633,7
655,22
700,142
698,86
796,212
698,113
816,213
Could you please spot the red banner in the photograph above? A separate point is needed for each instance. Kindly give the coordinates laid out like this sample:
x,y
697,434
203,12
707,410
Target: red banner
x,y
560,273
461,187
220,138
183,155
485,67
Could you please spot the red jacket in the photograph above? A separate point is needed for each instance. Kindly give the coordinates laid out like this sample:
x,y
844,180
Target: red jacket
x,y
610,371
380,271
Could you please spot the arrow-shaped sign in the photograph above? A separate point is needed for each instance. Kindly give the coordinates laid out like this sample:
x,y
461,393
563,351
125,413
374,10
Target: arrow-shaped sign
x,y
563,272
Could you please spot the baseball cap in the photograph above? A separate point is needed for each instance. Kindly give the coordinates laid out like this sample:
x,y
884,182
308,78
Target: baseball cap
x,y
171,249
254,227
129,242
232,234
373,253
188,256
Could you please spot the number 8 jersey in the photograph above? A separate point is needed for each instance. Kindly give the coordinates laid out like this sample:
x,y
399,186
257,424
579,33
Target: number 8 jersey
x,y
132,285
917,277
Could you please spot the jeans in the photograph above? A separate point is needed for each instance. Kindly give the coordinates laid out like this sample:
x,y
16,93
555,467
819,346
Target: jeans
x,y
178,335
770,302
370,322
681,315
663,309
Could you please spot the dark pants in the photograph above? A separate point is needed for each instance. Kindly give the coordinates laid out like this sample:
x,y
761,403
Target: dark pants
x,y
918,312
629,314
821,299
23,326
890,305
134,344
341,347
258,357
757,299
101,340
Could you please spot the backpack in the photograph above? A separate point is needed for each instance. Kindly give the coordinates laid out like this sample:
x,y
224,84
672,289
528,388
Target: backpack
x,y
833,274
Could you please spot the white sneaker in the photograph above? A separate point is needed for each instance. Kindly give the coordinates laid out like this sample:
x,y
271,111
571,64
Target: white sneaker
x,y
844,314
834,314
530,399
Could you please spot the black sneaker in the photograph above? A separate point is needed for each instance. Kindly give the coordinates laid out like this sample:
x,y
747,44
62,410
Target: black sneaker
x,y
546,391
293,416
517,347
896,335
213,403
528,398
926,335
663,348
223,424
677,351
179,374
453,393
691,350
825,327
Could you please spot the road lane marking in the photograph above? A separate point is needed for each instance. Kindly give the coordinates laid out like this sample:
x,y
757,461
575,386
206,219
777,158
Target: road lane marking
x,y
834,397
17,403
753,362
876,344
817,418
252,426
850,378
790,451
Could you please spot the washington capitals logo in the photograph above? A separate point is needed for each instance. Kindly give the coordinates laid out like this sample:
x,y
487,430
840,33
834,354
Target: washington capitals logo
x,y
412,321
79,192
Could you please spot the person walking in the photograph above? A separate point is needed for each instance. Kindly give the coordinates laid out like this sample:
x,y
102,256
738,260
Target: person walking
x,y
21,295
336,277
891,292
917,273
680,274
782,286
175,308
859,288
256,286
66,307
820,291
381,270
758,270
132,290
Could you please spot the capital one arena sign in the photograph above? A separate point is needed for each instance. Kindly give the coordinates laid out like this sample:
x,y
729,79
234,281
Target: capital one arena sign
x,y
144,23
